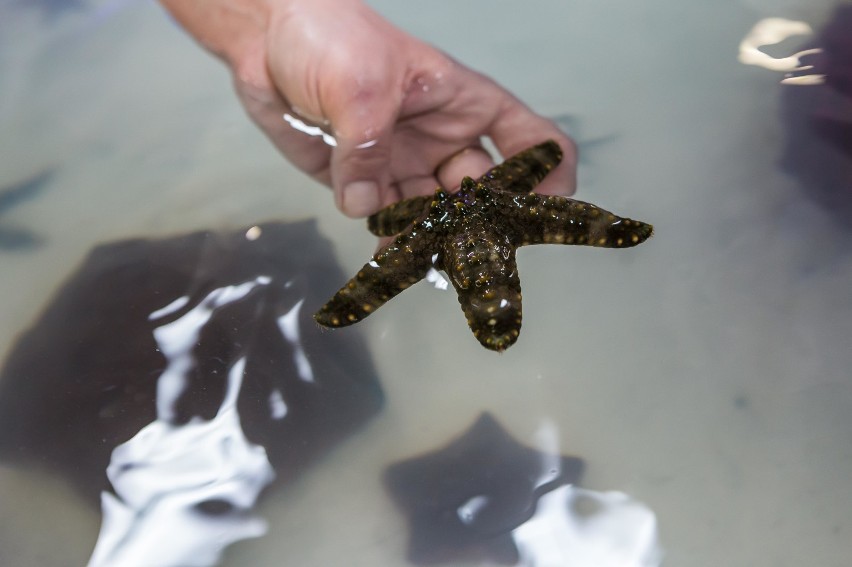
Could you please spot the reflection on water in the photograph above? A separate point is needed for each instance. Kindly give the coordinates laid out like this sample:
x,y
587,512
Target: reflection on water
x,y
167,477
183,493
575,526
770,31
816,103
818,119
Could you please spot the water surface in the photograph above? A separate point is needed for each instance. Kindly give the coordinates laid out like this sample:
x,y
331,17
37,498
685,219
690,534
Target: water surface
x,y
705,373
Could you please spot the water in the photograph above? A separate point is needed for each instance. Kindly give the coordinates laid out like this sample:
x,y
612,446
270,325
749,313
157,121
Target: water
x,y
705,373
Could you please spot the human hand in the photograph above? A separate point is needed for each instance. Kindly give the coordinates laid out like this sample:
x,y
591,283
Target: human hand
x,y
405,117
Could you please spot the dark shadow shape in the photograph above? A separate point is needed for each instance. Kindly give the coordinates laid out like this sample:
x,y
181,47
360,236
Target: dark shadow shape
x,y
17,239
83,379
50,9
818,120
463,501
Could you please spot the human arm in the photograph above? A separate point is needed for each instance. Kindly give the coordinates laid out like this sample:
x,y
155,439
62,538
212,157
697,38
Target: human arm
x,y
401,112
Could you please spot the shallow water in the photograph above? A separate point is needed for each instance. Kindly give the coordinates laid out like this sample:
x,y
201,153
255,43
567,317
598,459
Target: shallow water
x,y
705,373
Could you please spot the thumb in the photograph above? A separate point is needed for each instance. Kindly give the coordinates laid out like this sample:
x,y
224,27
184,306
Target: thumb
x,y
360,163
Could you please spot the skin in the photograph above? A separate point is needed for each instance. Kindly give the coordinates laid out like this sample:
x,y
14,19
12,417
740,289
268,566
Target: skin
x,y
401,111
473,235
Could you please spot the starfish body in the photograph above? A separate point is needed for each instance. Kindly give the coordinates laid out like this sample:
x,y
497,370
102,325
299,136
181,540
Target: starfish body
x,y
472,235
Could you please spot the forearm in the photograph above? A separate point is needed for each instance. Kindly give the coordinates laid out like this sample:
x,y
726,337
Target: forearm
x,y
227,28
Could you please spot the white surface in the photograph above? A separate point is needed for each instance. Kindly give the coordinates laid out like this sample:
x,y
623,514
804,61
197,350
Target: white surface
x,y
616,532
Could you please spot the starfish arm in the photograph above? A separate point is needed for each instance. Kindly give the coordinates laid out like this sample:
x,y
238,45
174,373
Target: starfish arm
x,y
397,266
523,171
542,219
395,218
480,263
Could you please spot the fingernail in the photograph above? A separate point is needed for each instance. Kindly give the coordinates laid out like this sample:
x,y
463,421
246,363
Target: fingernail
x,y
360,198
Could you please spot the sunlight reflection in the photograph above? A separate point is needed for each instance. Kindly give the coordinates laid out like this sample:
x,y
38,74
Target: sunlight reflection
x,y
771,31
183,492
302,126
575,526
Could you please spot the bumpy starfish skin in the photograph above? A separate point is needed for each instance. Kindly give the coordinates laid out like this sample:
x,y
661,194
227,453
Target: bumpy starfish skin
x,y
472,235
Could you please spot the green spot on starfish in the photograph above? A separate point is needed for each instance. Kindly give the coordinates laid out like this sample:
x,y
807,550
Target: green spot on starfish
x,y
472,235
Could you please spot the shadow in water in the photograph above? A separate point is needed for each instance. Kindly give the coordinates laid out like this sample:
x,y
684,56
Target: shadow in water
x,y
573,126
818,120
13,238
190,370
463,501
51,9
175,380
486,498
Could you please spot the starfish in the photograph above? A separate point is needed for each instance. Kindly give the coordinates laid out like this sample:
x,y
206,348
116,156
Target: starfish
x,y
472,235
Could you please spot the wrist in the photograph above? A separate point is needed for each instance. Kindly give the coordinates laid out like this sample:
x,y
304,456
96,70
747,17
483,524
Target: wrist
x,y
227,28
